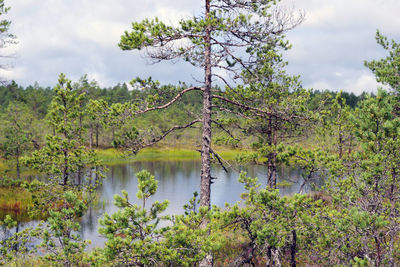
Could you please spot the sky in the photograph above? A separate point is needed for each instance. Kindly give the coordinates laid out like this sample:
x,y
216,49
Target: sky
x,y
80,37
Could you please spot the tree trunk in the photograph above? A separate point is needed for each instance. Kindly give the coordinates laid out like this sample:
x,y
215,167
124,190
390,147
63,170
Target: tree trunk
x,y
340,142
269,257
271,164
91,138
393,211
205,185
79,175
65,170
274,164
18,167
293,248
97,136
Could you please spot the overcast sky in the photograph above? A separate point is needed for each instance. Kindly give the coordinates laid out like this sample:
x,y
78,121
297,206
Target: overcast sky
x,y
80,37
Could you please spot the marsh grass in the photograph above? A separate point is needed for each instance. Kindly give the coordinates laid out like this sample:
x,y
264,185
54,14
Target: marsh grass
x,y
114,157
15,201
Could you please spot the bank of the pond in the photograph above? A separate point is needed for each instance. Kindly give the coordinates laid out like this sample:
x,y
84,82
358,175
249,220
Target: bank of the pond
x,y
112,156
14,200
17,200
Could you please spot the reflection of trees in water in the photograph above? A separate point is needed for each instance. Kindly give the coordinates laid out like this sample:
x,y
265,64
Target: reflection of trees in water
x,y
118,175
177,182
6,233
174,172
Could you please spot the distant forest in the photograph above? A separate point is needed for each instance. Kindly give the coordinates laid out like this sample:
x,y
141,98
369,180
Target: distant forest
x,y
38,98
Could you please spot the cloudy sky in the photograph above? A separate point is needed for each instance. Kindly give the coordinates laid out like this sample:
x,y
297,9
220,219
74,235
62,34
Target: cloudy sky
x,y
80,37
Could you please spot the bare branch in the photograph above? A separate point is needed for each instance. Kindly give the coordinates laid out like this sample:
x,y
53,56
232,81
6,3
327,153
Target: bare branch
x,y
178,96
223,80
231,111
161,137
225,130
245,107
219,160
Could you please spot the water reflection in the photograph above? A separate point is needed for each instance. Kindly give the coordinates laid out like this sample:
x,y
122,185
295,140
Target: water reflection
x,y
177,182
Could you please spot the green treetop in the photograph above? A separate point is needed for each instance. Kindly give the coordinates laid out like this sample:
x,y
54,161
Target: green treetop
x,y
387,70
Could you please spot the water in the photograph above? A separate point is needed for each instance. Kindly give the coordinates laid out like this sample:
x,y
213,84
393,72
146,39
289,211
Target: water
x,y
177,180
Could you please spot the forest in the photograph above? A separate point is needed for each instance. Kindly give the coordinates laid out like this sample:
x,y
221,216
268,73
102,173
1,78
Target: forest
x,y
58,144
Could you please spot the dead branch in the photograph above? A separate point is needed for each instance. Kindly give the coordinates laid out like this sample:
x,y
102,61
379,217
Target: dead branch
x,y
161,137
219,160
243,106
225,130
178,96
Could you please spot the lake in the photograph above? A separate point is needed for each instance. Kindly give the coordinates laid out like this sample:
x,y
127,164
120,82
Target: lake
x,y
177,180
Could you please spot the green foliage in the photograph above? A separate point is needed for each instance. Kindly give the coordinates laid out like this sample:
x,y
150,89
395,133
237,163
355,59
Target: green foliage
x,y
97,118
133,235
273,226
60,238
6,37
189,240
64,154
386,70
192,205
355,220
336,130
19,244
364,192
16,132
227,141
5,24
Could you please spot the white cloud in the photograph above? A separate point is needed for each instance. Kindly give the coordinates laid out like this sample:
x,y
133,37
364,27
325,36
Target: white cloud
x,y
320,85
363,83
81,36
330,47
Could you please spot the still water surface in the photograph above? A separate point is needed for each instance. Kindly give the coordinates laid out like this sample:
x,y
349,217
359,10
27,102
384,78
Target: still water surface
x,y
177,180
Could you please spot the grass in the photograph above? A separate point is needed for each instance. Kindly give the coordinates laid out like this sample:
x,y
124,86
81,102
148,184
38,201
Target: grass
x,y
112,156
14,201
27,260
3,166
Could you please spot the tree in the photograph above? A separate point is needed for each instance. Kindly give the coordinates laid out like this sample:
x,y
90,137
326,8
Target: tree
x,y
365,222
6,38
16,132
273,229
274,105
336,126
60,236
97,117
136,235
226,39
387,70
64,154
133,235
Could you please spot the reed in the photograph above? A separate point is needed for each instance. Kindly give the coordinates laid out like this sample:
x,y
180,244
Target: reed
x,y
15,200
